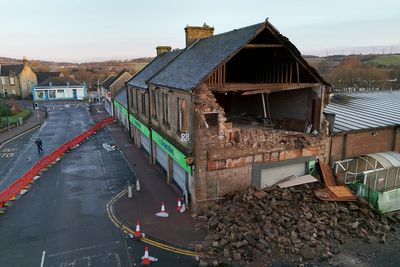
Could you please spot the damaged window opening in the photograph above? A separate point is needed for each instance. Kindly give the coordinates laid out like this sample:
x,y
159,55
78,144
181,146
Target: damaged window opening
x,y
289,110
212,122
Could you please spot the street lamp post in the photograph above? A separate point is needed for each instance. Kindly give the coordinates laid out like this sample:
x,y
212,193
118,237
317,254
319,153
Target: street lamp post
x,y
6,109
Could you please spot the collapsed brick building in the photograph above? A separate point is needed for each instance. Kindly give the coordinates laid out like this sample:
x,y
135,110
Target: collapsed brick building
x,y
233,110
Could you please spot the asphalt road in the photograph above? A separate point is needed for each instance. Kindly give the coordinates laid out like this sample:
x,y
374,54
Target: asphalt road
x,y
19,155
62,220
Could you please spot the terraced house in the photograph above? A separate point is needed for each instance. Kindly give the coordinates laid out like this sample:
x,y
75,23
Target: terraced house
x,y
228,111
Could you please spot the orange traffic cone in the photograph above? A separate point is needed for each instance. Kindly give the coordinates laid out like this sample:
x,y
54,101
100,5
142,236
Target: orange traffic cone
x,y
137,234
162,213
179,207
145,258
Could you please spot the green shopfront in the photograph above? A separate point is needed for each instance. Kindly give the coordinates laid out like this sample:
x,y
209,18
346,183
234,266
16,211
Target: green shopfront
x,y
141,133
171,159
181,171
121,113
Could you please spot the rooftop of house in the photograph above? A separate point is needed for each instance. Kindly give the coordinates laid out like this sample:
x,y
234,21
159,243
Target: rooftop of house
x,y
6,70
193,64
121,97
112,78
108,81
59,81
43,75
156,65
359,111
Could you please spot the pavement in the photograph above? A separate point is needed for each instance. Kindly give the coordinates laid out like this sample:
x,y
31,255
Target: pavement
x,y
33,121
178,230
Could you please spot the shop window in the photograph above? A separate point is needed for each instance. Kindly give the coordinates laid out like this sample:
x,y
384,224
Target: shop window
x,y
40,94
52,94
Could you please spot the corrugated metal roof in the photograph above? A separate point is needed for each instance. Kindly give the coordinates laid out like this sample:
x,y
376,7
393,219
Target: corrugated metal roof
x,y
121,97
358,111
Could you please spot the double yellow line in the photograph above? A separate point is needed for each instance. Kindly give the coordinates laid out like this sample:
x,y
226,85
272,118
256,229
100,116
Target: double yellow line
x,y
146,240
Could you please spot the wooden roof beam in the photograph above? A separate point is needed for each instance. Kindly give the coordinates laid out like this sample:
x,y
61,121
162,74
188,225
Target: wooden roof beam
x,y
282,87
257,87
252,46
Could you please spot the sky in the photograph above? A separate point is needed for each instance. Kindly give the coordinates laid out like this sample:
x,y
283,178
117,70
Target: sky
x,y
95,30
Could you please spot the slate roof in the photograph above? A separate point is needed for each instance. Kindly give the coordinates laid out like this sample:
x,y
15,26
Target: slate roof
x,y
358,111
157,64
6,69
107,82
193,65
43,75
59,81
118,76
189,69
121,97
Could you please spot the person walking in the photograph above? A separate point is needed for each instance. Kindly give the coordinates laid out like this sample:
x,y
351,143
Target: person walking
x,y
39,145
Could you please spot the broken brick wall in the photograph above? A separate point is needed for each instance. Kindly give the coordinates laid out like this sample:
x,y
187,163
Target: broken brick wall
x,y
224,161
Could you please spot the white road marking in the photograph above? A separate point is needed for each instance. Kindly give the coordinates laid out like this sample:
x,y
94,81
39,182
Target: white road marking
x,y
43,255
81,249
104,173
21,134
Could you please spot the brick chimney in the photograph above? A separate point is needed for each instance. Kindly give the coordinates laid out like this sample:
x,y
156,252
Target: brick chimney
x,y
163,49
194,33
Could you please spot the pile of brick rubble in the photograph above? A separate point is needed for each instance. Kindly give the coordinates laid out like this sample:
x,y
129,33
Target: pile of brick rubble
x,y
290,224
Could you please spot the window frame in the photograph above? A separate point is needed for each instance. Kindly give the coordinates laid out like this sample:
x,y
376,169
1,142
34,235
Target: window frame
x,y
143,103
153,101
165,116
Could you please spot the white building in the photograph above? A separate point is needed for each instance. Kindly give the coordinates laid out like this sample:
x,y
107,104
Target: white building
x,y
59,88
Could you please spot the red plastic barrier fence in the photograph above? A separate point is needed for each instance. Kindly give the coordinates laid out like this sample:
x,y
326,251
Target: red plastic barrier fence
x,y
15,188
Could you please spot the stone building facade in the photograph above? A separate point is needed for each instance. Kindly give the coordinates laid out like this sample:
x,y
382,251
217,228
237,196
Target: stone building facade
x,y
16,80
229,111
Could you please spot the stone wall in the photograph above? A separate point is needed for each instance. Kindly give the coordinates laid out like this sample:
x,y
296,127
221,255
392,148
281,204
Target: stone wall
x,y
26,78
171,127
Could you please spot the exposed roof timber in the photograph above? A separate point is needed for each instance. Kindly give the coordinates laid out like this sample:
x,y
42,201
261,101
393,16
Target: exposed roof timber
x,y
263,45
301,60
259,30
251,89
283,87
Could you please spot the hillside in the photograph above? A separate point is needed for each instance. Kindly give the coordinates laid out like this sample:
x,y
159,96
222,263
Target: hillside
x,y
385,60
91,72
359,72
